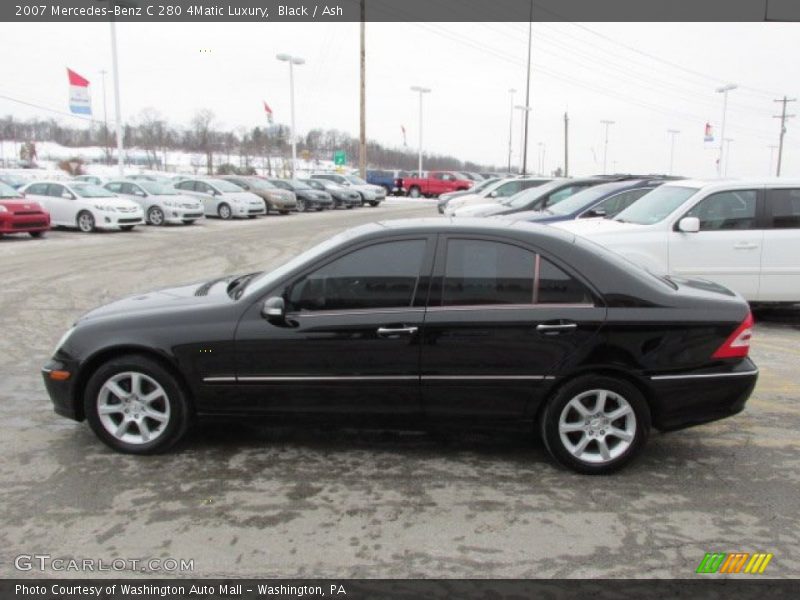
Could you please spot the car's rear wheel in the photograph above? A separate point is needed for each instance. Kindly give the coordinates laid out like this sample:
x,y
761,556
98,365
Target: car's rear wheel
x,y
374,204
35,234
155,216
224,211
595,424
85,221
414,192
134,405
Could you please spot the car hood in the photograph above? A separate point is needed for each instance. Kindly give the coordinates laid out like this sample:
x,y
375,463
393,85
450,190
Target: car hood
x,y
115,202
598,226
178,298
19,204
481,210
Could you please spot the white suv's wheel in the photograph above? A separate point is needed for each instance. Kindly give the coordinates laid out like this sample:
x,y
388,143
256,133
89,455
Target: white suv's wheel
x,y
595,424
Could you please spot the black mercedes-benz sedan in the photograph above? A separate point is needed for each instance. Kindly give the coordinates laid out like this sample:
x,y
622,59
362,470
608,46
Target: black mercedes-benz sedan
x,y
422,321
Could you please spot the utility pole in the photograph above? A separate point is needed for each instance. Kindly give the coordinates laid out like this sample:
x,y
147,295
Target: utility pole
x,y
510,126
117,109
105,117
727,154
783,116
421,91
527,94
523,138
672,133
772,149
566,145
607,123
724,91
362,150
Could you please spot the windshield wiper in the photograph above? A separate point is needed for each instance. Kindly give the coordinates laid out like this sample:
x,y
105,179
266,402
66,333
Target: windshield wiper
x,y
237,285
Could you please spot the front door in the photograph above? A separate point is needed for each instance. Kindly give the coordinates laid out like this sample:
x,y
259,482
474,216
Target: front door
x,y
350,341
728,247
501,321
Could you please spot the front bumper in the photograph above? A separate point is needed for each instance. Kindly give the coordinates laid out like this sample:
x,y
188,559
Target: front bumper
x,y
688,399
242,211
62,393
117,220
347,200
23,223
180,214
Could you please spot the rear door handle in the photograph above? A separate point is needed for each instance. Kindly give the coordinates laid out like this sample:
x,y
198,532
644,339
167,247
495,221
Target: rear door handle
x,y
745,246
386,332
556,328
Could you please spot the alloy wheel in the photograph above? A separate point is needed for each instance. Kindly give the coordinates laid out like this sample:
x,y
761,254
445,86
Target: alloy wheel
x,y
133,407
156,216
224,211
86,222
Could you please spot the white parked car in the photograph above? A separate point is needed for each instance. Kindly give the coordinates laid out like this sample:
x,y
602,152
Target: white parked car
x,y
743,234
161,204
84,205
223,199
499,190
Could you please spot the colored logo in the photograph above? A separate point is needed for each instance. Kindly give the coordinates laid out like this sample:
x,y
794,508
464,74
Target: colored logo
x,y
734,562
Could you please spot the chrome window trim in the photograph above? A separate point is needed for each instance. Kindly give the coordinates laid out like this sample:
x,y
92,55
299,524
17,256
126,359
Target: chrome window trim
x,y
288,378
508,306
703,375
365,311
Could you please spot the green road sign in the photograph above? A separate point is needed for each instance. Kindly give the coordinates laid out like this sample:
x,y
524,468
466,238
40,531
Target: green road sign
x,y
339,158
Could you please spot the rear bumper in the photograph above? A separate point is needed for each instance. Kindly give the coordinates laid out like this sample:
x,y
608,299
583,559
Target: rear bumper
x,y
11,223
685,400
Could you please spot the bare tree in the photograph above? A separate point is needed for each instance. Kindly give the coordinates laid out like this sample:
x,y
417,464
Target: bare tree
x,y
204,137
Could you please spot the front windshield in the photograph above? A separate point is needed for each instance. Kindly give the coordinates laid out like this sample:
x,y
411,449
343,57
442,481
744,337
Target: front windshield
x,y
158,189
355,180
655,206
11,179
89,190
479,187
6,191
585,198
225,186
299,185
525,197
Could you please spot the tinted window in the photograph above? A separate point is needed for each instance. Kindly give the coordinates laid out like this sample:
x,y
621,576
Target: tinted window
x,y
379,276
726,210
557,287
55,190
656,205
562,194
508,189
620,202
483,272
38,189
115,187
784,208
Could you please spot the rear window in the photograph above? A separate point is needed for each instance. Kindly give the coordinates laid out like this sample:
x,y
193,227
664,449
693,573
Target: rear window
x,y
783,208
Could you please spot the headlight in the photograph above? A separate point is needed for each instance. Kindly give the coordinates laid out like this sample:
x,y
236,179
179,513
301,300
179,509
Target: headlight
x,y
63,339
105,208
171,203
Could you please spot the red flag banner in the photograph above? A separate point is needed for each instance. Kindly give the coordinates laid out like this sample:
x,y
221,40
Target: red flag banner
x,y
268,110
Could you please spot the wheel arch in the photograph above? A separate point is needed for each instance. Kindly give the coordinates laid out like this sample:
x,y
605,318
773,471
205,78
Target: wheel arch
x,y
101,357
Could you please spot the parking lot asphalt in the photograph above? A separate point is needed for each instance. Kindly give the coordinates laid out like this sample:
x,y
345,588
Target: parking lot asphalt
x,y
260,501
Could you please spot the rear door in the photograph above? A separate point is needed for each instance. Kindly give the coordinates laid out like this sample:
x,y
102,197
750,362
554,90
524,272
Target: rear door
x,y
728,247
780,259
501,319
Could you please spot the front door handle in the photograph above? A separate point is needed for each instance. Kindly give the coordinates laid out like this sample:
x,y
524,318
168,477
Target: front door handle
x,y
556,328
387,332
745,246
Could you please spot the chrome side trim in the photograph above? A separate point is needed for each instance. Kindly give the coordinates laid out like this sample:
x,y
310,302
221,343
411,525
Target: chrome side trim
x,y
344,313
279,378
487,377
219,379
331,378
507,307
703,376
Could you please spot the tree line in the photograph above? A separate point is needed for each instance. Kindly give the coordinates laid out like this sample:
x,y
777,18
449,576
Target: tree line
x,y
217,148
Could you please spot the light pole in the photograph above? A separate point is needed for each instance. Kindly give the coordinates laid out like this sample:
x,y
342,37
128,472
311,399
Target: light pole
x,y
510,126
724,91
292,60
421,91
117,108
672,133
522,137
727,154
607,123
772,149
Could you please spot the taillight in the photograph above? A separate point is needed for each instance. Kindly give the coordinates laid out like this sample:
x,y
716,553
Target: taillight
x,y
738,343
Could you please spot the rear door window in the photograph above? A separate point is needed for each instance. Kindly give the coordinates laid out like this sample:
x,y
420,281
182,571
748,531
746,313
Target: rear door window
x,y
783,209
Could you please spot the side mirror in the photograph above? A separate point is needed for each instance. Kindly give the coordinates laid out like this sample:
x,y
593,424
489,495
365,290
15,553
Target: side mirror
x,y
689,225
597,212
139,193
493,195
67,196
274,310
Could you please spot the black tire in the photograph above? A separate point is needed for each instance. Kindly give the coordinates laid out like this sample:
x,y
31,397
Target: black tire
x,y
85,221
188,221
374,204
127,227
35,234
595,464
155,216
224,212
267,208
179,410
301,205
414,192
350,207
284,212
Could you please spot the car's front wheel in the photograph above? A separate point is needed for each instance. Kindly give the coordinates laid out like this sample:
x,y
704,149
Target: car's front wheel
x,y
595,424
155,216
301,205
85,221
35,234
414,192
224,211
134,405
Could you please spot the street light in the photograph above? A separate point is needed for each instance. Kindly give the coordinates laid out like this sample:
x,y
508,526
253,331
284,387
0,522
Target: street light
x,y
524,109
672,133
607,123
724,91
292,60
510,126
421,91
727,154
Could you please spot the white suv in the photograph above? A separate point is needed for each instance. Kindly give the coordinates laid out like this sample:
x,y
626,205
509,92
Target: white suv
x,y
744,234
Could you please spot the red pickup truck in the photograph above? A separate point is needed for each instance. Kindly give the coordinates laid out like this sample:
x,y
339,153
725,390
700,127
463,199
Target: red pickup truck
x,y
435,183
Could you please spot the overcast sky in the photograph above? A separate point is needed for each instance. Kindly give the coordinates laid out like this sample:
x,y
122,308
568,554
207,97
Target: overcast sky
x,y
647,77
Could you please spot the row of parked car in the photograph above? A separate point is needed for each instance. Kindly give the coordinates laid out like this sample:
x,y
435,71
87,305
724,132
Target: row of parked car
x,y
88,202
743,234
